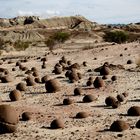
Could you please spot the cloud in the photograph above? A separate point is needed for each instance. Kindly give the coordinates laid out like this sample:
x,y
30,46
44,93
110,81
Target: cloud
x,y
102,11
45,14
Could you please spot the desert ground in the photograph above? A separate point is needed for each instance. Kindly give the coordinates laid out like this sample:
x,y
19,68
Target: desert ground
x,y
45,107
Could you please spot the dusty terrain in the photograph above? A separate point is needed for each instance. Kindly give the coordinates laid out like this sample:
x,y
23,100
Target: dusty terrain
x,y
47,106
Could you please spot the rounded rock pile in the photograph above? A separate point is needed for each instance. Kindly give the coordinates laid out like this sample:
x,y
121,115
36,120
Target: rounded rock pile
x,y
67,101
8,119
52,86
82,115
134,111
21,86
26,116
89,98
56,124
98,82
15,95
78,91
119,126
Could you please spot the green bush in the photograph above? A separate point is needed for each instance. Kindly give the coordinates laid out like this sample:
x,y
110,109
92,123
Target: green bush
x,y
61,37
116,36
21,46
56,38
50,43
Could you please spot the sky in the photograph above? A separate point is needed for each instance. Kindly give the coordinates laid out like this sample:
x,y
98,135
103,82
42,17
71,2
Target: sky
x,y
101,11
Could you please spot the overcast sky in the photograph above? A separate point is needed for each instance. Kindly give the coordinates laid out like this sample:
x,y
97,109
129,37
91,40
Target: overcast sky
x,y
101,11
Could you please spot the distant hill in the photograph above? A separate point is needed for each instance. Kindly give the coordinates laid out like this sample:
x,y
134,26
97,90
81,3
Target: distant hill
x,y
33,28
72,22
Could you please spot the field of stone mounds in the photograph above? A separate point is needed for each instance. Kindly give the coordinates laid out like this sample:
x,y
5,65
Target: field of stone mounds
x,y
73,94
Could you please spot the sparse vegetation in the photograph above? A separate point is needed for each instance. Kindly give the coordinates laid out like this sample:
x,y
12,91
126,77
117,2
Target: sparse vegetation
x,y
116,36
21,46
56,38
61,37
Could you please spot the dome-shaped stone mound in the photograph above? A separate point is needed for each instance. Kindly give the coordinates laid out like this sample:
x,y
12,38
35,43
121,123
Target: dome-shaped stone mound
x,y
29,72
30,81
125,94
119,126
44,66
44,59
90,79
134,111
57,70
24,68
64,66
85,64
79,75
106,64
67,101
13,69
35,74
37,80
26,116
104,77
89,98
18,63
67,74
120,98
56,124
129,62
6,79
52,86
78,91
21,67
15,95
75,66
114,78
64,60
6,72
109,101
8,119
33,69
73,77
57,65
105,70
98,82
45,78
21,86
89,83
69,62
81,115
138,124
116,104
